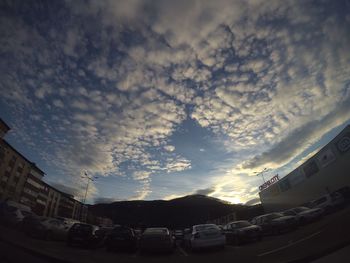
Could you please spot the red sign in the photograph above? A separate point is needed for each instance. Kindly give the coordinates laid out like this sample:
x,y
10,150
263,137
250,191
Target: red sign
x,y
269,182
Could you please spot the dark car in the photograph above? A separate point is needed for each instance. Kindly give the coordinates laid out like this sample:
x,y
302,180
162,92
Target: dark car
x,y
121,238
178,234
30,225
275,223
44,228
345,192
238,232
85,235
156,240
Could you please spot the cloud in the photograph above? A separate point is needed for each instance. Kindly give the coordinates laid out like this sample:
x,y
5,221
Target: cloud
x,y
169,148
299,140
58,103
124,75
205,191
44,90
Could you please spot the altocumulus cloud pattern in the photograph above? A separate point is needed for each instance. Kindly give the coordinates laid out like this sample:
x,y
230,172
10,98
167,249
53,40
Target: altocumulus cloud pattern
x,y
166,98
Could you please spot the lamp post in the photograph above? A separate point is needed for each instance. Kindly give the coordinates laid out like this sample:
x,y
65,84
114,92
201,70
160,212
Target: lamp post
x,y
262,173
88,183
89,178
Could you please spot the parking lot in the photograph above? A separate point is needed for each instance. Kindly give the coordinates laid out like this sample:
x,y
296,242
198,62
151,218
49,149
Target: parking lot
x,y
307,242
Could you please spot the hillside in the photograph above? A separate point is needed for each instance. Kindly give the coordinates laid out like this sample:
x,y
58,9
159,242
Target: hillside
x,y
179,212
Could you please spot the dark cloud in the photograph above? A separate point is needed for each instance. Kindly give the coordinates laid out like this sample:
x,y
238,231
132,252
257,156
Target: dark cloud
x,y
300,139
205,191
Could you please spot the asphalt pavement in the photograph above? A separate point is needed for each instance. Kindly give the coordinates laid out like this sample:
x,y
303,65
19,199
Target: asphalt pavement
x,y
307,243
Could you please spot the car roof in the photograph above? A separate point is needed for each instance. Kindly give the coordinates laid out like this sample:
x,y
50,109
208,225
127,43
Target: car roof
x,y
239,221
204,225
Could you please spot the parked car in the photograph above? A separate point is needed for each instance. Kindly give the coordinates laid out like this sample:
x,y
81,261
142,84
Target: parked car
x,y
304,214
12,213
345,192
204,236
45,228
241,231
275,223
121,238
85,235
28,223
329,202
178,234
156,240
68,222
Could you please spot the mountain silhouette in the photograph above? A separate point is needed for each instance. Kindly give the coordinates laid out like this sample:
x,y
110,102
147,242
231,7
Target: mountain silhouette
x,y
176,213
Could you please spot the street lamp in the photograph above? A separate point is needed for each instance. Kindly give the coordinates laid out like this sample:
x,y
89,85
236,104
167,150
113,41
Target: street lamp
x,y
89,178
262,173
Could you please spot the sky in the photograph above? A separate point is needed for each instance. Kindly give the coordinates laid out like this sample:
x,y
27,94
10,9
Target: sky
x,y
161,99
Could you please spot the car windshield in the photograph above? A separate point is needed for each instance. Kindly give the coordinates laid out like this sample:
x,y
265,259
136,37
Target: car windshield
x,y
274,215
83,227
121,230
151,231
301,209
206,227
289,213
241,224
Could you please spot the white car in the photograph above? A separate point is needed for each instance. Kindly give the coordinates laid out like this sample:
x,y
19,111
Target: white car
x,y
204,236
328,202
305,214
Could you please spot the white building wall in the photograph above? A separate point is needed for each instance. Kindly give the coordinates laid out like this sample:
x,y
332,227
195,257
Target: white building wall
x,y
325,172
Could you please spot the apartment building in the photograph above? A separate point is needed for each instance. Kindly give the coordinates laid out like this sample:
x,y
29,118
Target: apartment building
x,y
21,181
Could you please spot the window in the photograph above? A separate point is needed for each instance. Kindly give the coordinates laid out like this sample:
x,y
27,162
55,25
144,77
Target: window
x,y
19,170
30,192
310,168
33,183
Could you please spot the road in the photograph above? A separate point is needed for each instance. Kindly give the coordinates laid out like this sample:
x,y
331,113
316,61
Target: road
x,y
308,243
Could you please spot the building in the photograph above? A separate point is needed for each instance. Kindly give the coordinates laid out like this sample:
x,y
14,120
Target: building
x,y
4,128
21,182
48,201
325,172
32,187
16,172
